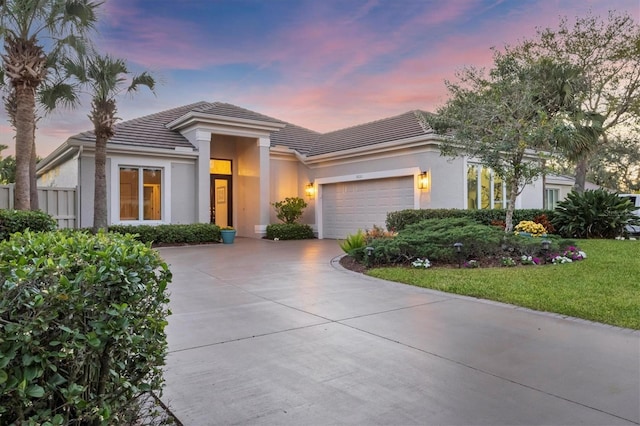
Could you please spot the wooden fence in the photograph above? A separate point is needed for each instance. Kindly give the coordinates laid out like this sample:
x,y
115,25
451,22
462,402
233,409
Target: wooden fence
x,y
60,203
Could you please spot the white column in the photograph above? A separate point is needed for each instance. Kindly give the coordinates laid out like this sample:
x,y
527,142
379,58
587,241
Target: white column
x,y
202,141
265,183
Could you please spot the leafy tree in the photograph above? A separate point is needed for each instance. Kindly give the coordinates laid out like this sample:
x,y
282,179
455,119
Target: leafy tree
x,y
24,26
607,55
106,78
499,120
7,167
617,165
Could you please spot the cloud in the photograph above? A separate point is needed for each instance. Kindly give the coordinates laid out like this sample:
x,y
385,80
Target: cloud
x,y
321,65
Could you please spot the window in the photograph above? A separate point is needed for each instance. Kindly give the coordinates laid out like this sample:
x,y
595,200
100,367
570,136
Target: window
x,y
550,198
485,190
140,193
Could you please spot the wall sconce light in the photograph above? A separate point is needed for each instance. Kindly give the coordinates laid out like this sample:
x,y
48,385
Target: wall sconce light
x,y
424,180
310,190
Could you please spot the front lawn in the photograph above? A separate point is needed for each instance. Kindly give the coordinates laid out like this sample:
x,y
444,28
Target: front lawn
x,y
605,287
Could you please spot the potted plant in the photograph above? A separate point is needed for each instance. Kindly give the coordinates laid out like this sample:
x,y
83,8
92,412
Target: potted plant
x,y
228,234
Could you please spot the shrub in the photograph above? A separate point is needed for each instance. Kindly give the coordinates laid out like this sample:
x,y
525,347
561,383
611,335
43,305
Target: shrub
x,y
290,210
19,220
354,241
543,220
171,234
434,239
593,214
533,228
289,231
82,321
378,232
401,219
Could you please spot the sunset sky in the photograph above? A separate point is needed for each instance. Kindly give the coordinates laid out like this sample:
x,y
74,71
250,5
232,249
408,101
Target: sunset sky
x,y
320,64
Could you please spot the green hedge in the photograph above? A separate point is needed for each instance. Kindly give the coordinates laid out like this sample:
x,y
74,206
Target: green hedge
x,y
19,220
401,219
172,234
82,321
434,239
289,231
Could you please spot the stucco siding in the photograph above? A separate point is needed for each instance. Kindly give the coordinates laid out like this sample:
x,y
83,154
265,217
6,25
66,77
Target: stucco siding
x,y
86,190
284,183
531,196
448,177
183,191
65,175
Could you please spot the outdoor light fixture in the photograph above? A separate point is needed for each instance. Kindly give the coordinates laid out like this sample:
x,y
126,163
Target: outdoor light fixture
x,y
458,248
424,180
545,245
310,190
545,249
369,251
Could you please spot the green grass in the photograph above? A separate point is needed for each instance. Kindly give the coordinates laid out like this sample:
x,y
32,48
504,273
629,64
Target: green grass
x,y
605,287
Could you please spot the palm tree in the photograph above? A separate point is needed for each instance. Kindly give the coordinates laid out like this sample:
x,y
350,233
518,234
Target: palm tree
x,y
24,24
105,77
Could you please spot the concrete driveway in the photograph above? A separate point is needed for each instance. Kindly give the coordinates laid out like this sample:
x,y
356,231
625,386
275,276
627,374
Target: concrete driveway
x,y
266,332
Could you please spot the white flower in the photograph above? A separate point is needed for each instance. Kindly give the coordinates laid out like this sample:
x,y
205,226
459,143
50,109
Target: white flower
x,y
582,254
560,260
421,263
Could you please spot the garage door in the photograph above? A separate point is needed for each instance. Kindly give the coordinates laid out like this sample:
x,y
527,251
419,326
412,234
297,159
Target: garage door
x,y
349,206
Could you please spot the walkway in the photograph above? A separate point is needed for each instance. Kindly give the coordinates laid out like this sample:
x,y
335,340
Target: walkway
x,y
266,332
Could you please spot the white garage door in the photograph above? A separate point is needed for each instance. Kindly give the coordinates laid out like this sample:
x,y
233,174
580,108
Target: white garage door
x,y
349,206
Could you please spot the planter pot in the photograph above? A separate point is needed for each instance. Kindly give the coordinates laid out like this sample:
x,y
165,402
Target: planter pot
x,y
525,234
228,236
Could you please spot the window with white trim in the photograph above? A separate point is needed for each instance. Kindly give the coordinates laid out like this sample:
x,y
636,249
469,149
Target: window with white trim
x,y
485,190
550,198
140,193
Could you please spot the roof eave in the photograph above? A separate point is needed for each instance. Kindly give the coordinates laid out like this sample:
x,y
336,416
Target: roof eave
x,y
193,117
422,140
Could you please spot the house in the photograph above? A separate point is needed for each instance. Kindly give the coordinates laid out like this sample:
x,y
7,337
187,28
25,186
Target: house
x,y
217,162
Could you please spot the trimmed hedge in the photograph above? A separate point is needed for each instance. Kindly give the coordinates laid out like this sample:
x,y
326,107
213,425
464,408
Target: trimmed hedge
x,y
401,219
82,321
289,231
171,234
19,220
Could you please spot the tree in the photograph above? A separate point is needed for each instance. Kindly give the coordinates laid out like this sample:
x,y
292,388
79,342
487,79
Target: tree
x,y
498,120
105,77
7,167
24,25
607,54
617,166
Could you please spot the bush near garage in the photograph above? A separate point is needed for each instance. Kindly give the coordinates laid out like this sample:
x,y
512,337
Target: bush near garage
x,y
401,219
434,238
196,233
82,321
289,231
19,220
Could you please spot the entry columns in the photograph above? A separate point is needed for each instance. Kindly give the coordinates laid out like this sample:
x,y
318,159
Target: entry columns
x,y
264,187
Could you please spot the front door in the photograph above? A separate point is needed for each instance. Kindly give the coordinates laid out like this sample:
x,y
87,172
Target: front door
x,y
220,193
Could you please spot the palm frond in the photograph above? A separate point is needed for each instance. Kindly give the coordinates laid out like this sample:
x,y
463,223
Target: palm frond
x,y
144,79
59,94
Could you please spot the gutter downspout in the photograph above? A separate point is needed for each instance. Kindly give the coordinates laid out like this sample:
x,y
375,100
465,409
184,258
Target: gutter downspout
x,y
79,189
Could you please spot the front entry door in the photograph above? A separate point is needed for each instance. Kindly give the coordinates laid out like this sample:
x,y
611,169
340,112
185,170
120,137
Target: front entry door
x,y
221,213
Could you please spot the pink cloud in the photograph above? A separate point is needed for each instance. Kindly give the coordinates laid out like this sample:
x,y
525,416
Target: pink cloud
x,y
329,73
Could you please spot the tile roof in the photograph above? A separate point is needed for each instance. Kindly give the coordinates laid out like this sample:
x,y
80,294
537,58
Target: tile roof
x,y
401,126
229,110
151,131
